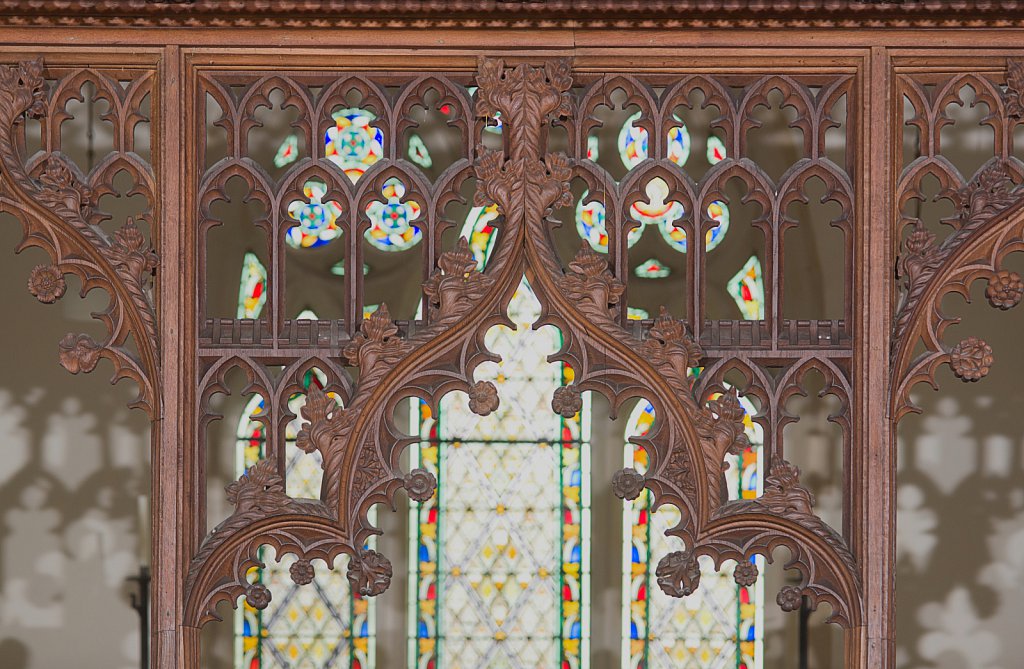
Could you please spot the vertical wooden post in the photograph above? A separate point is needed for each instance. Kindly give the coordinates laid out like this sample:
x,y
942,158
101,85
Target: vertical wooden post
x,y
875,453
172,540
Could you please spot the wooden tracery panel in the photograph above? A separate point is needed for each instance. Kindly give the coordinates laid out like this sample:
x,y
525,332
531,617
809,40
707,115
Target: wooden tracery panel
x,y
437,353
548,108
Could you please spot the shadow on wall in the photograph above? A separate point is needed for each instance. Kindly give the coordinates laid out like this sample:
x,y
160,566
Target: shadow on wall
x,y
960,524
73,462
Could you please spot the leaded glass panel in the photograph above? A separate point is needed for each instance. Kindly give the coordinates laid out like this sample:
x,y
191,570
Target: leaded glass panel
x,y
721,625
502,565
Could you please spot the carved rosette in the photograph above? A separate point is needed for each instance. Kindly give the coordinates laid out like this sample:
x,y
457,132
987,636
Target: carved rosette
x,y
567,401
483,398
628,483
745,573
971,359
420,485
1004,289
302,572
46,283
789,598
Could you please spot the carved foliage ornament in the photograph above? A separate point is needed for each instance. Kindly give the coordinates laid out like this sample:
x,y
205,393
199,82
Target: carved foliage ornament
x,y
360,445
54,209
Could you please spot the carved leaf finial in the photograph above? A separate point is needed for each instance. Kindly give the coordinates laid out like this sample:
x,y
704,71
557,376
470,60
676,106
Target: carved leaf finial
x,y
377,345
131,253
783,493
259,489
920,255
319,413
457,284
22,90
671,349
729,432
591,285
1014,88
988,194
63,188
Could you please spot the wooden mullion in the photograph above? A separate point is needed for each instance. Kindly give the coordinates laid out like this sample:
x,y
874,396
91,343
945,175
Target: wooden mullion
x,y
871,483
175,458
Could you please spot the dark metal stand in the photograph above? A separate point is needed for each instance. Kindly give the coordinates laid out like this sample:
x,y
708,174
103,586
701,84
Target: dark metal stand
x,y
805,616
140,602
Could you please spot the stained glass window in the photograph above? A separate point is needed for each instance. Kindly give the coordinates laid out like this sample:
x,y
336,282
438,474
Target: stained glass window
x,y
353,144
747,289
318,220
501,570
338,268
657,211
319,625
721,624
391,223
480,232
716,150
252,291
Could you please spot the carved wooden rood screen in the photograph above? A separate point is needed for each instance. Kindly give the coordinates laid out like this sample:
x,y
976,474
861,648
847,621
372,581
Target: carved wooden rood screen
x,y
524,123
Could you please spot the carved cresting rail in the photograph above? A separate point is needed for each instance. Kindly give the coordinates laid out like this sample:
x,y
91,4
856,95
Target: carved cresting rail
x,y
358,441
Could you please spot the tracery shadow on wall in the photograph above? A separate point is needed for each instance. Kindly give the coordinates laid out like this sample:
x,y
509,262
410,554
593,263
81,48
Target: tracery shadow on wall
x,y
74,465
960,485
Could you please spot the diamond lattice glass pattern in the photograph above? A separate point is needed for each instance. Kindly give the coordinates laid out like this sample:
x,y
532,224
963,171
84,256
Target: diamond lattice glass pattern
x,y
719,626
507,587
319,625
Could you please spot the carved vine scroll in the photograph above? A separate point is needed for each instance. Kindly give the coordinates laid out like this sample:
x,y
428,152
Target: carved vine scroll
x,y
351,424
56,204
